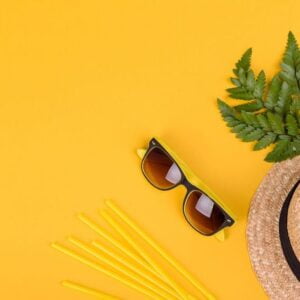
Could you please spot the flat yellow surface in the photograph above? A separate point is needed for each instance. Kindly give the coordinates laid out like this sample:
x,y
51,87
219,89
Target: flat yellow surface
x,y
83,84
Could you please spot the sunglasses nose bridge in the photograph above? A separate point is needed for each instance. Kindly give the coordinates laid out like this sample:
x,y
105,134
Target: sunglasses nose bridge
x,y
186,184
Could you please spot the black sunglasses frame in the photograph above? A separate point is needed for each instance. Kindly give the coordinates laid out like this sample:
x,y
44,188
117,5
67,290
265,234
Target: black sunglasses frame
x,y
228,221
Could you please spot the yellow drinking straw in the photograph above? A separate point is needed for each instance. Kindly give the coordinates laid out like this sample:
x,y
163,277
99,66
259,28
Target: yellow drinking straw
x,y
118,267
107,236
87,290
142,252
142,272
109,273
162,252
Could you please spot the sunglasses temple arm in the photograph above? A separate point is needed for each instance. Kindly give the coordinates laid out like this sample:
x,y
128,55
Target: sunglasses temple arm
x,y
220,235
141,152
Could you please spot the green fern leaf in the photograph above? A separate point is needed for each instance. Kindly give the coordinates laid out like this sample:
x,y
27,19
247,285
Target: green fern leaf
x,y
240,93
276,122
242,96
268,117
236,90
295,103
235,81
290,61
284,137
231,121
245,82
279,151
244,132
288,75
296,147
238,128
263,121
273,93
250,118
291,151
227,110
259,85
251,106
242,76
244,62
254,135
246,86
298,116
250,81
265,141
284,98
284,149
291,124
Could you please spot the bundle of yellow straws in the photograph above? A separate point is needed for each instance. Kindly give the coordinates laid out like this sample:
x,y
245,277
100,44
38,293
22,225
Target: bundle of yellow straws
x,y
145,275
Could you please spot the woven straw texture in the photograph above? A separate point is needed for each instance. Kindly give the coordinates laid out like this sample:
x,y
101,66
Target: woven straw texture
x,y
294,222
264,245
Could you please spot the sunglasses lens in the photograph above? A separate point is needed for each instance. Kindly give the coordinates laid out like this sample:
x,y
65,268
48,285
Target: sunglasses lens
x,y
160,169
202,213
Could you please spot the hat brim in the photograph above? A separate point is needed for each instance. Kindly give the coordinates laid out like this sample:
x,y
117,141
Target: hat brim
x,y
264,244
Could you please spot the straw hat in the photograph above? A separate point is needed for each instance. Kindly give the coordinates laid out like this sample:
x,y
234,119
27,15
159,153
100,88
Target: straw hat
x,y
273,231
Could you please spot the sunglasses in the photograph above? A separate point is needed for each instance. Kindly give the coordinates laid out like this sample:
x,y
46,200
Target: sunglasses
x,y
202,209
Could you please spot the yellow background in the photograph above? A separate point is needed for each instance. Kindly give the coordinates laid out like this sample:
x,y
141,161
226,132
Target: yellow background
x,y
84,83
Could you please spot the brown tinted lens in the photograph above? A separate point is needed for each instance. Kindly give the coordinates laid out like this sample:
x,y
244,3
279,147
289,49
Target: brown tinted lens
x,y
160,169
203,214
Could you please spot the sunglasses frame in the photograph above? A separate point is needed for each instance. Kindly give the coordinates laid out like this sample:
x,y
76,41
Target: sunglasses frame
x,y
190,187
